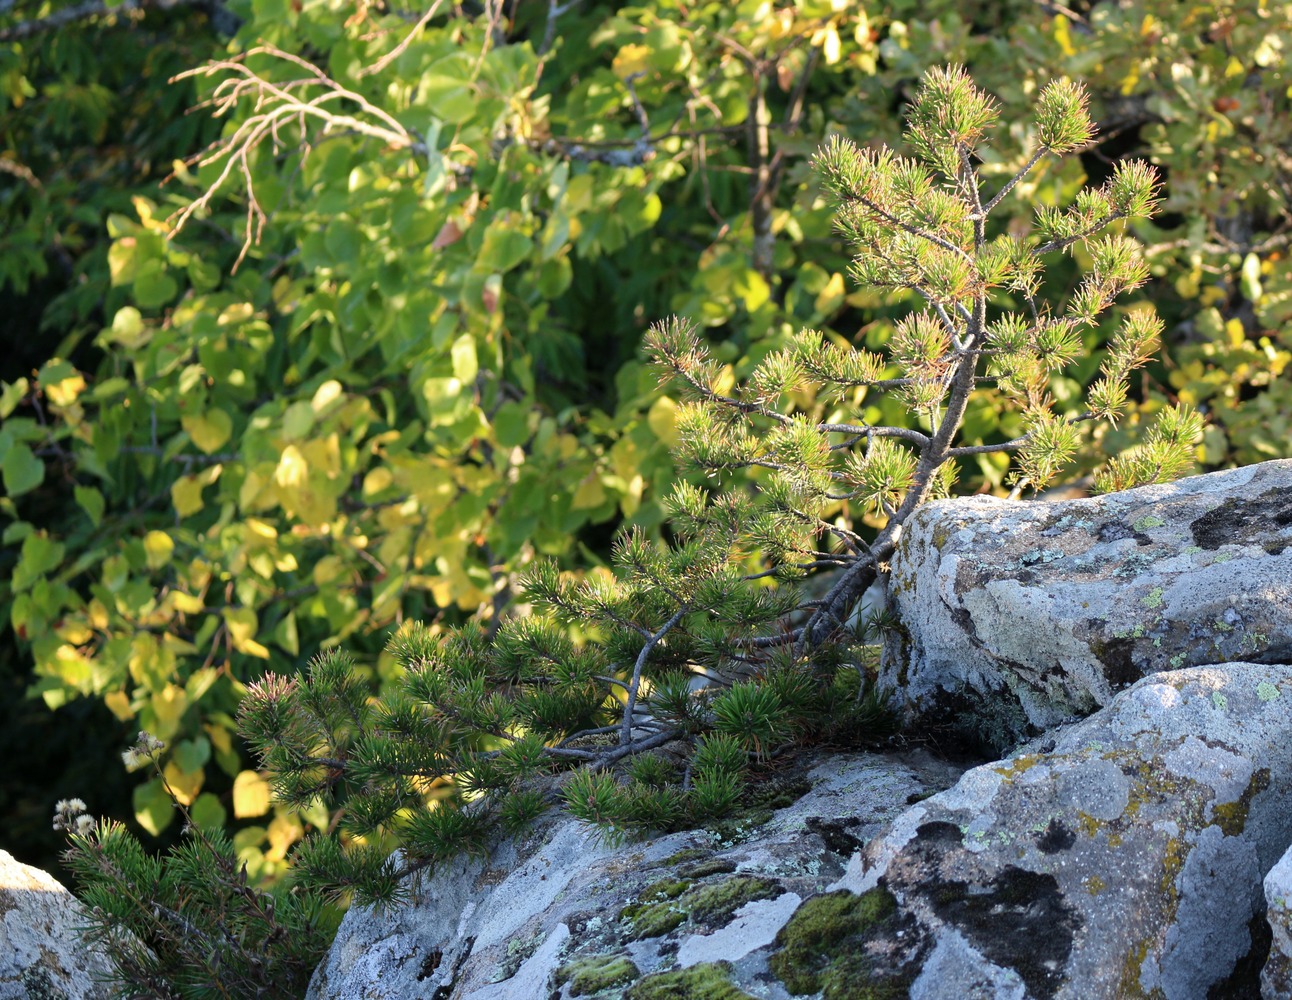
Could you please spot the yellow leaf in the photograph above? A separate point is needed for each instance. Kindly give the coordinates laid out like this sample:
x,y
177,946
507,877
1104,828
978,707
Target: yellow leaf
x,y
209,430
292,471
185,603
261,530
250,795
1062,36
377,480
589,494
662,419
242,625
157,548
325,394
831,296
283,832
118,703
632,58
830,45
186,495
185,784
167,706
64,393
219,737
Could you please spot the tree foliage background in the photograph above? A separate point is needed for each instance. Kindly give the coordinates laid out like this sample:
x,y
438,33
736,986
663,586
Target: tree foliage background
x,y
391,362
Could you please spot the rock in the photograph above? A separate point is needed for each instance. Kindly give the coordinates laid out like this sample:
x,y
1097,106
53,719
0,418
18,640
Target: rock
x,y
675,916
1276,977
42,956
1124,862
1020,615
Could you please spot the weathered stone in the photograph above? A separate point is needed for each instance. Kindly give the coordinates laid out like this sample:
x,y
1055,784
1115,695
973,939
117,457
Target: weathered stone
x,y
1126,861
1276,977
1020,615
42,956
693,911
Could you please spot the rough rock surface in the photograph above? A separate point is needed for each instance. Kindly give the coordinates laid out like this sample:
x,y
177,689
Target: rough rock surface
x,y
1059,605
1126,860
1276,977
564,912
1122,857
42,956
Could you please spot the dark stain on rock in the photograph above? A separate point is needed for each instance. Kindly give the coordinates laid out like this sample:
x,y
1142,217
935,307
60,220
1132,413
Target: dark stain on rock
x,y
1115,531
835,834
1118,658
1262,520
1015,918
1055,838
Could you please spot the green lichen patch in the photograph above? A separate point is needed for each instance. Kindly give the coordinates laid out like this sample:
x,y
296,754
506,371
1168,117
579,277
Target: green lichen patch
x,y
1148,521
1266,691
707,981
822,948
596,973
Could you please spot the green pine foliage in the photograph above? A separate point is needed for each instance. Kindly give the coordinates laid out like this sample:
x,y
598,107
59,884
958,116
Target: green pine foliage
x,y
921,225
188,925
642,699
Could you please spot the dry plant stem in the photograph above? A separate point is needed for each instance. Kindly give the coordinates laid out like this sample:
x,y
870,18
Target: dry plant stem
x,y
276,105
398,50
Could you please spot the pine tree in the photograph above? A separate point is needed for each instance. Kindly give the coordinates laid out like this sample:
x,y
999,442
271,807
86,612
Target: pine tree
x,y
643,698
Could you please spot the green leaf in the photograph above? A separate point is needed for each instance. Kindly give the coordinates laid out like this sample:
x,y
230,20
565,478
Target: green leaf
x,y
153,286
503,248
464,359
153,808
207,812
91,501
343,241
22,470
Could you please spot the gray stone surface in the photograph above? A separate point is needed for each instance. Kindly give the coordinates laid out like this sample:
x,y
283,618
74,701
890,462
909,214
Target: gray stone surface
x,y
42,956
504,930
1020,615
1276,977
1125,860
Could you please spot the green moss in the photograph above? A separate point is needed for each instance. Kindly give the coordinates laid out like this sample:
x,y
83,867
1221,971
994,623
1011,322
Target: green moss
x,y
703,869
820,949
667,904
681,857
707,981
714,903
595,973
656,913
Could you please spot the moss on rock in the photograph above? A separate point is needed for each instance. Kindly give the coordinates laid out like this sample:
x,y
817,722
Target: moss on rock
x,y
595,973
821,948
708,981
668,903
